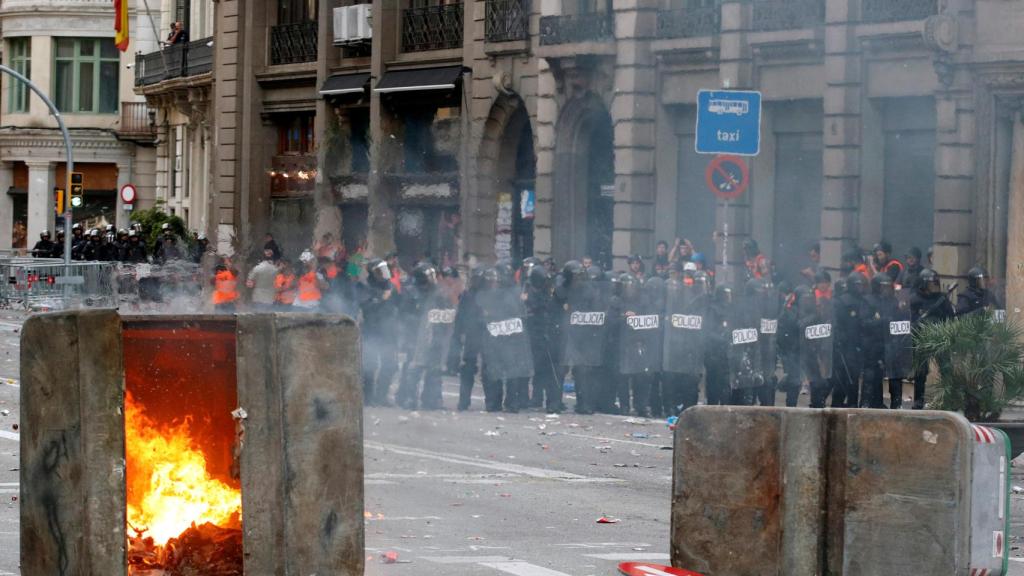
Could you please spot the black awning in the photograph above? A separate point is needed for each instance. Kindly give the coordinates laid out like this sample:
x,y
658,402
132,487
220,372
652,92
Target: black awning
x,y
440,78
345,84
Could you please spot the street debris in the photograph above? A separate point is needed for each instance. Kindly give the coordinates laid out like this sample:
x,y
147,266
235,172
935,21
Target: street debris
x,y
239,413
492,433
5,412
1018,490
607,520
641,435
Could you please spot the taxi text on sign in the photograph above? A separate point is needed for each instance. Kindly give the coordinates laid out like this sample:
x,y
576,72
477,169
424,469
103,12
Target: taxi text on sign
x,y
728,122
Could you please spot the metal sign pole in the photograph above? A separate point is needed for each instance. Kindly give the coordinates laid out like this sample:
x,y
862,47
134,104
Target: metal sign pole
x,y
725,244
67,153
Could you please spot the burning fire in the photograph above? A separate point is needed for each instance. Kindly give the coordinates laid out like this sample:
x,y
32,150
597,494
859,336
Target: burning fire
x,y
169,486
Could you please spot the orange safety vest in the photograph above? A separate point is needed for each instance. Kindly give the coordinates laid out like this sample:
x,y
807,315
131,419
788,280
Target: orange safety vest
x,y
285,286
864,270
309,289
225,287
896,263
754,266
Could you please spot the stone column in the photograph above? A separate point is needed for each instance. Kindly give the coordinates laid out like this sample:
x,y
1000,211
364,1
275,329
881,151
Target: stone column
x,y
954,183
6,205
735,72
40,199
634,108
1015,230
385,151
547,114
844,95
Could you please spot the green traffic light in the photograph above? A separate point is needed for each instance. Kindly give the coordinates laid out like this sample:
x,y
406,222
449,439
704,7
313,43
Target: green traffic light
x,y
76,201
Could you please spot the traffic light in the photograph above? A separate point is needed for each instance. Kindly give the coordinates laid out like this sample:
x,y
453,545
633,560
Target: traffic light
x,y
77,189
58,193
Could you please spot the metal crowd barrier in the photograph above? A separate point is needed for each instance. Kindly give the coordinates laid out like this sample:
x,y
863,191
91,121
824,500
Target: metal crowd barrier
x,y
48,284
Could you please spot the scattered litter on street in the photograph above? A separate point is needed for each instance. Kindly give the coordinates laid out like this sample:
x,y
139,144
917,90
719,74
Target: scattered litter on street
x,y
607,520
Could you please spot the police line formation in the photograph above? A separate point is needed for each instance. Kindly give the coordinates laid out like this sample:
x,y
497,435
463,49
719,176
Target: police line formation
x,y
642,345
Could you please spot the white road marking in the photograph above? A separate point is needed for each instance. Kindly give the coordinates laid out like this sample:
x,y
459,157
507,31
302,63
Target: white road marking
x,y
631,556
653,571
588,437
1017,559
10,436
405,518
8,484
371,482
397,476
465,559
9,490
603,545
543,473
522,569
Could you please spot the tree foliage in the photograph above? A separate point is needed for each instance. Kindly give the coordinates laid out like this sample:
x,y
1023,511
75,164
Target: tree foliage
x,y
153,219
979,364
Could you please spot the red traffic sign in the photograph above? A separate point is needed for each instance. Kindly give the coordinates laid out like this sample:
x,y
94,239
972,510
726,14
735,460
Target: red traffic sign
x,y
128,194
727,176
645,569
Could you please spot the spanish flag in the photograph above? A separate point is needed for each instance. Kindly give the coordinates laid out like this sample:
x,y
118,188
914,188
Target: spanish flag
x,y
121,24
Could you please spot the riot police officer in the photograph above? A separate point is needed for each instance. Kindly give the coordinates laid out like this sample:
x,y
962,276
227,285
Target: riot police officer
x,y
379,334
849,363
584,326
928,305
789,341
977,296
718,336
684,335
536,293
467,336
45,247
433,316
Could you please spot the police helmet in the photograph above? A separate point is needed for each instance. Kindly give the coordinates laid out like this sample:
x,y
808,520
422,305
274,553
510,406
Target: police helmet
x,y
928,281
529,264
506,276
424,274
881,284
377,269
977,278
94,233
44,235
490,277
856,283
166,226
723,295
595,272
77,226
702,282
539,277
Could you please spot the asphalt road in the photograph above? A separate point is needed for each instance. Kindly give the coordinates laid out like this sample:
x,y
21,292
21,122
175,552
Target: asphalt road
x,y
478,494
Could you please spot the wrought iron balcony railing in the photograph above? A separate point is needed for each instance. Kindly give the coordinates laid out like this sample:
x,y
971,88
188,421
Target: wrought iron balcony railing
x,y
688,23
788,14
136,122
432,28
175,61
293,43
507,20
573,28
897,10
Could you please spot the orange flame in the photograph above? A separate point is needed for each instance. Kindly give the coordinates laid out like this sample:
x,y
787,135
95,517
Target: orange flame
x,y
169,486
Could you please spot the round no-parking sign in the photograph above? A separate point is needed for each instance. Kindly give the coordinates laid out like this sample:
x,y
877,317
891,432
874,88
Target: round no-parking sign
x,y
727,176
645,569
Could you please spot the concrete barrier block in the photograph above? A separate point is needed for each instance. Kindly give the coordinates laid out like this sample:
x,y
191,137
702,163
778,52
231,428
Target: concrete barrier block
x,y
761,491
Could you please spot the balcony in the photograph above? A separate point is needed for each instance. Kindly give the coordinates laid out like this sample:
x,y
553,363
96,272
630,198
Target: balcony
x,y
772,15
897,10
688,23
176,61
137,122
293,43
432,28
575,28
507,20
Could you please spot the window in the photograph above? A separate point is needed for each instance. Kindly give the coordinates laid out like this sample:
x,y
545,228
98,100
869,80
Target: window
x,y
295,136
296,11
20,55
86,75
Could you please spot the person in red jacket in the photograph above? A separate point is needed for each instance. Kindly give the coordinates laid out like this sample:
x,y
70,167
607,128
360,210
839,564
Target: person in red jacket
x,y
225,287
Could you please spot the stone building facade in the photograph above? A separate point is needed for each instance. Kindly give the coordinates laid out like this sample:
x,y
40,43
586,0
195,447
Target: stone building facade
x,y
67,48
501,128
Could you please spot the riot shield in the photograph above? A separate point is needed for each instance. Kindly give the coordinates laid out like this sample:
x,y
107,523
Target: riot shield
x,y
585,324
816,340
506,345
640,335
745,368
436,318
899,343
769,306
685,309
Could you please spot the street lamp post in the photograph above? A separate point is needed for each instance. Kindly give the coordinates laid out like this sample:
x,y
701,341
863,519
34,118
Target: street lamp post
x,y
67,152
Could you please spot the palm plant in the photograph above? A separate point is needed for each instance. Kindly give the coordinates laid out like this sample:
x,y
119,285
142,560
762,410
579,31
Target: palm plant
x,y
979,362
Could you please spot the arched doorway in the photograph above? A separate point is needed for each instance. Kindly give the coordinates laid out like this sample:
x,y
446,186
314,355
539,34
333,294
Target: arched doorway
x,y
584,182
507,178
